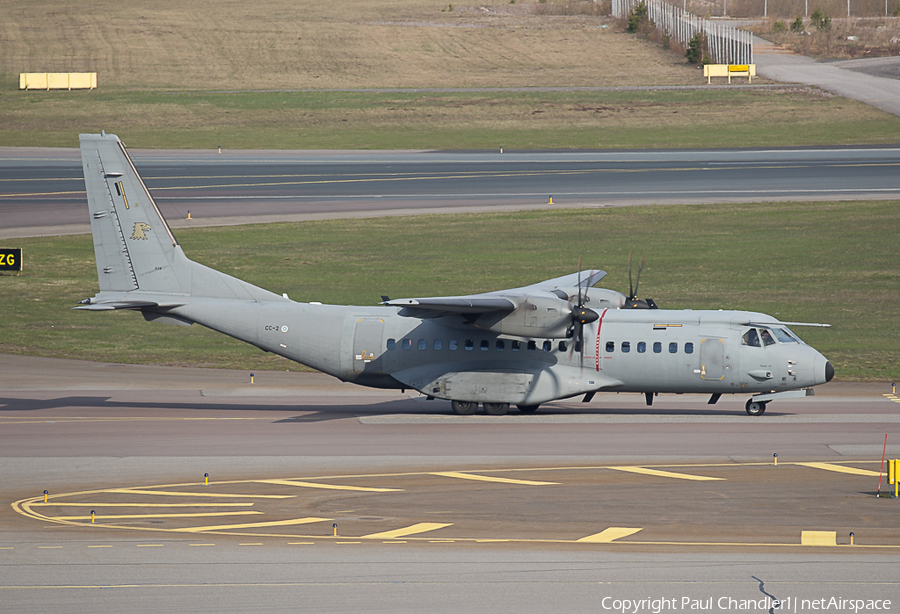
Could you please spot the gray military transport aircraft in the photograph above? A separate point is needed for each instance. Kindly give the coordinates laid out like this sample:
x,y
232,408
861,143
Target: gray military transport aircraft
x,y
552,340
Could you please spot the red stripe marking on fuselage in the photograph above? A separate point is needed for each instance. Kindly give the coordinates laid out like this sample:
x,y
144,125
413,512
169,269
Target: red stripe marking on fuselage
x,y
599,325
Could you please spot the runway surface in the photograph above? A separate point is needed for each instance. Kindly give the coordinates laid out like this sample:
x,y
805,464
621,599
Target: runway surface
x,y
42,190
434,512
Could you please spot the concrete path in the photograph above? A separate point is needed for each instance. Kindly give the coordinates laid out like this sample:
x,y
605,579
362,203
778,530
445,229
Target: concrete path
x,y
846,78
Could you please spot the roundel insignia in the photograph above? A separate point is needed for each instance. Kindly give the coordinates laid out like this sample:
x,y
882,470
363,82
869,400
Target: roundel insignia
x,y
284,329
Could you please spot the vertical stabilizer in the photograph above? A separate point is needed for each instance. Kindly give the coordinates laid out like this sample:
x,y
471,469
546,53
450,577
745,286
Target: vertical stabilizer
x,y
134,246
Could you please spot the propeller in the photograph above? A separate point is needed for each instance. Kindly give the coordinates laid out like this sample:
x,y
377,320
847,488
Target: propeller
x,y
633,302
581,315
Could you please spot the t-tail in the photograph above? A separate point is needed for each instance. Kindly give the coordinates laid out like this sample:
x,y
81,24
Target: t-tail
x,y
139,262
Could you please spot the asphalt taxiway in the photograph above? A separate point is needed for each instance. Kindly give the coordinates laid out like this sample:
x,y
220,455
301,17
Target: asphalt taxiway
x,y
433,511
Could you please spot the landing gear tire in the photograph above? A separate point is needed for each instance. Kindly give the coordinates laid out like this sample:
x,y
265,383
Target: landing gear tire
x,y
496,409
755,408
528,408
464,408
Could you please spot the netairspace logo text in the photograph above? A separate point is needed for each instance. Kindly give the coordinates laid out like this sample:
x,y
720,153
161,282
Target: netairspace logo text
x,y
788,605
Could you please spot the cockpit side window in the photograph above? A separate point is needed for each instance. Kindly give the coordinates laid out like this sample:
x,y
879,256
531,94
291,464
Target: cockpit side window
x,y
766,337
750,338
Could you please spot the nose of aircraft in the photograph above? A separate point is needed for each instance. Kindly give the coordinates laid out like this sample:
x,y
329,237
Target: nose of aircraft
x,y
824,369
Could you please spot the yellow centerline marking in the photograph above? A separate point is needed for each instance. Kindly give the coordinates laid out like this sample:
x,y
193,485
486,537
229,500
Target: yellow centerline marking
x,y
149,545
201,544
100,546
665,474
608,535
174,493
121,516
251,525
488,478
840,469
421,527
328,486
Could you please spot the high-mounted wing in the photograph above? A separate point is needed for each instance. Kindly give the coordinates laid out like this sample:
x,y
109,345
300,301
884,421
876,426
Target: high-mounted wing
x,y
545,309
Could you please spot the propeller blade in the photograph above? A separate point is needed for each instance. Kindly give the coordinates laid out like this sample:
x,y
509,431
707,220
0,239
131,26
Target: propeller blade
x,y
638,282
630,287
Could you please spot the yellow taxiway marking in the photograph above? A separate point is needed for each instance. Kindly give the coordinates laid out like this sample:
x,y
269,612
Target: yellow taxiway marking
x,y
343,543
100,546
328,486
149,545
608,535
51,504
892,397
488,478
421,527
201,544
665,474
251,525
394,541
49,547
175,493
301,543
251,544
839,469
121,516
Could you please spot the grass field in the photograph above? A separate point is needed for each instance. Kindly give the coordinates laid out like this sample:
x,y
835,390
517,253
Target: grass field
x,y
365,120
817,262
178,76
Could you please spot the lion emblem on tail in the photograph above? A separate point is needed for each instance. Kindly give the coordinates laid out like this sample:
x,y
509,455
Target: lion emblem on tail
x,y
140,230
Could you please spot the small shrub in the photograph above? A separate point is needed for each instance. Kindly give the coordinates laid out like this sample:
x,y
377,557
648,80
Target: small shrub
x,y
666,41
637,17
797,25
779,26
820,19
694,53
897,10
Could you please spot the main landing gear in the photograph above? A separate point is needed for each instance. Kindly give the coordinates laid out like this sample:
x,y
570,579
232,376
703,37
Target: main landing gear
x,y
755,408
467,408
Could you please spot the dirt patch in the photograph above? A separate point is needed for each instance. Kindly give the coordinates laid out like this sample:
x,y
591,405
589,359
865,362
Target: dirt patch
x,y
301,44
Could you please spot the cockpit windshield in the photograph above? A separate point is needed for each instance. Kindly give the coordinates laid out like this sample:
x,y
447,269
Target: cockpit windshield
x,y
768,336
784,335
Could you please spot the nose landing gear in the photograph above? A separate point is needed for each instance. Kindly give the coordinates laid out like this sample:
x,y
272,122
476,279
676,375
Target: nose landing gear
x,y
755,408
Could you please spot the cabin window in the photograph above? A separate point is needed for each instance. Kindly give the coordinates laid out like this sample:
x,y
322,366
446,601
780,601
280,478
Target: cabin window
x,y
657,347
438,344
516,346
610,347
485,345
563,346
391,344
406,344
547,346
673,348
766,337
626,347
750,338
454,344
688,348
641,347
501,345
532,346
423,345
470,345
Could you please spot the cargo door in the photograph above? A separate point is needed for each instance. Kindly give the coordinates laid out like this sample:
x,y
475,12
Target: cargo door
x,y
712,359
